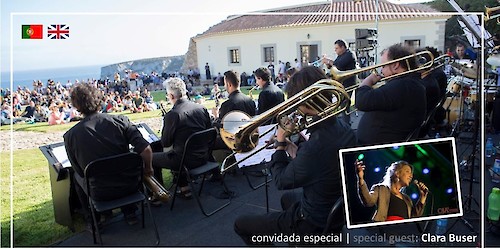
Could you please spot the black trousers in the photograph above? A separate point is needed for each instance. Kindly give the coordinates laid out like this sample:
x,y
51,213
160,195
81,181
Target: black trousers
x,y
287,222
167,160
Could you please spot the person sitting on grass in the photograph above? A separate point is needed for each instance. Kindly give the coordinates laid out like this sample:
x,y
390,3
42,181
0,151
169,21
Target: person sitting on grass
x,y
55,117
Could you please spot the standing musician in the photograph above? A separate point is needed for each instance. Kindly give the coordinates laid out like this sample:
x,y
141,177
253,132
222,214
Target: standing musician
x,y
396,110
346,60
184,119
100,135
392,204
314,168
270,95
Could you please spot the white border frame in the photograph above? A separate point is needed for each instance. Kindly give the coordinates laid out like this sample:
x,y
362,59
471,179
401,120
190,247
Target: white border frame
x,y
457,181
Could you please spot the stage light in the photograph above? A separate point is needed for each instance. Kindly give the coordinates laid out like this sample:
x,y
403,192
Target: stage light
x,y
421,150
377,169
414,196
425,171
449,190
361,157
395,147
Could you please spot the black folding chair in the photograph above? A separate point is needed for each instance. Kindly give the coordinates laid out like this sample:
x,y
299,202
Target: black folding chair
x,y
335,213
201,139
113,182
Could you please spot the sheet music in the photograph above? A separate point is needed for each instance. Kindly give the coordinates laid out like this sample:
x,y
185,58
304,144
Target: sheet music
x,y
262,156
147,136
61,156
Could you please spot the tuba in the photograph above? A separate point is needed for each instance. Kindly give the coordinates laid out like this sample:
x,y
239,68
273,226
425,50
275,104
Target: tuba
x,y
157,189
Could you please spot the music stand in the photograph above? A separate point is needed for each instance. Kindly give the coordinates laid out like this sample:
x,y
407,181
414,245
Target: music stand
x,y
64,197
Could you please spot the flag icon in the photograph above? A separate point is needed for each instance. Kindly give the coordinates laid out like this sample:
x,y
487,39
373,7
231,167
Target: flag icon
x,y
58,31
32,31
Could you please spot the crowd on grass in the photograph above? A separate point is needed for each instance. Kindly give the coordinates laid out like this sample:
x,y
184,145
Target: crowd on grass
x,y
50,102
131,91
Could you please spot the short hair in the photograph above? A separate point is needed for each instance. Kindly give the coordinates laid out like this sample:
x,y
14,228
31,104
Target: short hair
x,y
175,86
390,173
263,73
459,44
397,51
232,78
304,78
341,43
86,98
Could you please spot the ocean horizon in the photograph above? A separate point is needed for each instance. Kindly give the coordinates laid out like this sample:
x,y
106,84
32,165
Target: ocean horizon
x,y
25,78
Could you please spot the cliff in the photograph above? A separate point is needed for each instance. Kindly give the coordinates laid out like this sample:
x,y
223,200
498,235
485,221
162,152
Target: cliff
x,y
160,65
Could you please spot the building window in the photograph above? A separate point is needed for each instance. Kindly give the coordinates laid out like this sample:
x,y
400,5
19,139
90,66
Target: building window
x,y
414,43
234,55
268,54
309,53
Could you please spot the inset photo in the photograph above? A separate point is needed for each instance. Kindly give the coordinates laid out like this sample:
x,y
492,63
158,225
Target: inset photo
x,y
399,183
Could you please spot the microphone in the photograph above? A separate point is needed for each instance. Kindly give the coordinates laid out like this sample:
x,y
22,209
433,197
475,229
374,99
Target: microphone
x,y
418,184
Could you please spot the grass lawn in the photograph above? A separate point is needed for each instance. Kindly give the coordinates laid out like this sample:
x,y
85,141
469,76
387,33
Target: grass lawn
x,y
33,213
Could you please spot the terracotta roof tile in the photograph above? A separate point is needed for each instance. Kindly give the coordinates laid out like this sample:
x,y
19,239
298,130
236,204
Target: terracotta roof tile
x,y
320,13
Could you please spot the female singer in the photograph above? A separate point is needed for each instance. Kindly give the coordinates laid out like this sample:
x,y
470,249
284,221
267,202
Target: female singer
x,y
392,203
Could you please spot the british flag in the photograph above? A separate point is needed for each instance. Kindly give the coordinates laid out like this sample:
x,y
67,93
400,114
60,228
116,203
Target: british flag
x,y
58,31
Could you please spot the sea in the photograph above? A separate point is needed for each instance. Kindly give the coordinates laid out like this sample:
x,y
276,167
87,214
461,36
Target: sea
x,y
25,78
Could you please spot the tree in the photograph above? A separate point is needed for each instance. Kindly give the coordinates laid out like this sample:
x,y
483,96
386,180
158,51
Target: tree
x,y
453,29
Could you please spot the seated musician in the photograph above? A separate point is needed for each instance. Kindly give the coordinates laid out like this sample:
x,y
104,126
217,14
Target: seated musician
x,y
100,135
236,99
184,119
392,203
396,110
433,94
270,95
313,167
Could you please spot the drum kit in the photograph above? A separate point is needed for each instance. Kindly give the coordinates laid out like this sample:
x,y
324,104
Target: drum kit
x,y
463,88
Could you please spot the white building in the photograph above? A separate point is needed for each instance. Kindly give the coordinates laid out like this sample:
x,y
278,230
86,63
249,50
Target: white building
x,y
244,43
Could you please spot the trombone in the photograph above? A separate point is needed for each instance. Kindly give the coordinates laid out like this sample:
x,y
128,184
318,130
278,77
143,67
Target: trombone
x,y
240,131
340,76
439,62
492,13
328,97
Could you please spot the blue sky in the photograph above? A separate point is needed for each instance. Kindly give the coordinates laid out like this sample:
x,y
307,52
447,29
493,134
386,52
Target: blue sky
x,y
104,32
110,31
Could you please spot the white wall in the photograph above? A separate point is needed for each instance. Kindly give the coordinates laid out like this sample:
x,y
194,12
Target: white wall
x,y
214,49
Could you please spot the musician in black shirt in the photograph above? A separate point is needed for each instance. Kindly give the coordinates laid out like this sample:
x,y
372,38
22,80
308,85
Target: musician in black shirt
x,y
271,95
100,135
314,168
236,100
184,119
396,110
346,60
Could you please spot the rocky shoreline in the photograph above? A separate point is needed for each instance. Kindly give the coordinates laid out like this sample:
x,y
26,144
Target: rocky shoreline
x,y
29,139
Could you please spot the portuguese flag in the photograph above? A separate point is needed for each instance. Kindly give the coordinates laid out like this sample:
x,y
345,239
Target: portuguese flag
x,y
33,31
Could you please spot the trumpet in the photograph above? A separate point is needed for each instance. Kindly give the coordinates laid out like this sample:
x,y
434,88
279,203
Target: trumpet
x,y
492,13
157,189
